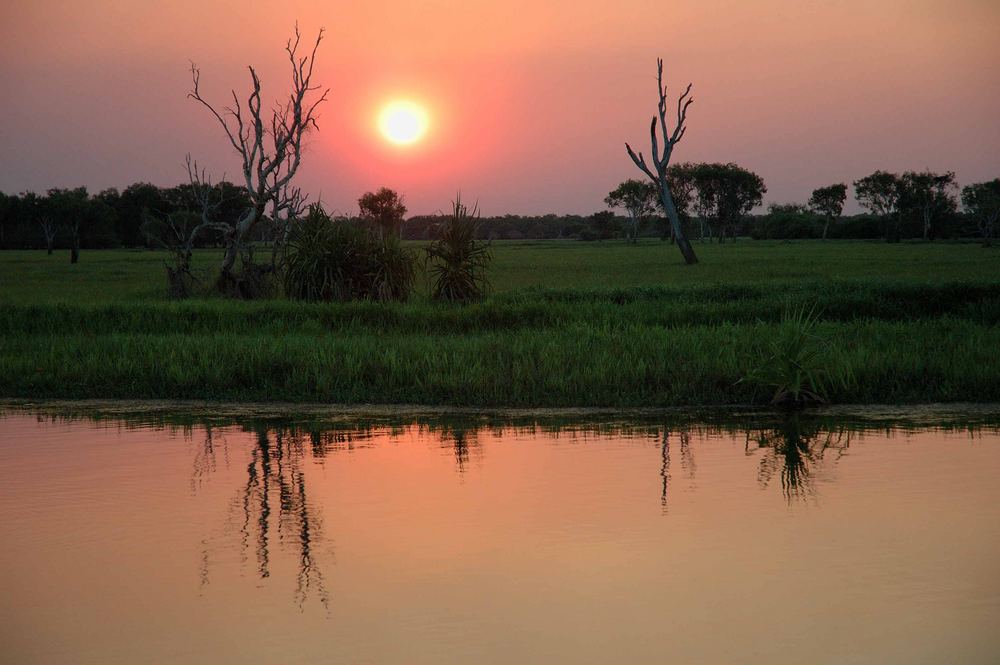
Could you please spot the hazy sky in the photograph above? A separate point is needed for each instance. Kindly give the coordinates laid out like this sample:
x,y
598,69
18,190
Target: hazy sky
x,y
531,100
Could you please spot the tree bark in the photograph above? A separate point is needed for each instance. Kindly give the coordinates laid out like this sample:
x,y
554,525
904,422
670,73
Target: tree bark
x,y
237,239
675,224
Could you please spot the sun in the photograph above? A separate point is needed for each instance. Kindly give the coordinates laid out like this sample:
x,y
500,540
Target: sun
x,y
403,122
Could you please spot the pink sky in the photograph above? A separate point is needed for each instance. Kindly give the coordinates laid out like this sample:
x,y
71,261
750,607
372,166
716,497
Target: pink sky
x,y
531,101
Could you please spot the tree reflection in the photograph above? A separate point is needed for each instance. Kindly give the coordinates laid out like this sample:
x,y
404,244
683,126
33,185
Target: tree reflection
x,y
273,502
796,447
687,461
461,440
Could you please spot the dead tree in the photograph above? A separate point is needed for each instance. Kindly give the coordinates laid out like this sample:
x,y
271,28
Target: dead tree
x,y
178,231
49,227
661,159
287,207
270,149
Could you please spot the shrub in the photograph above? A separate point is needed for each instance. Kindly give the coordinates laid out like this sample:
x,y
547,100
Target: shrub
x,y
457,261
335,259
796,362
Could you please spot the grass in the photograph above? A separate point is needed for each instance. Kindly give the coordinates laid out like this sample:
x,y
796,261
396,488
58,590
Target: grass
x,y
569,324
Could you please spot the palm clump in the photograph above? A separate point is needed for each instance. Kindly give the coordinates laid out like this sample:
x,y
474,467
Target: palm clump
x,y
457,262
335,259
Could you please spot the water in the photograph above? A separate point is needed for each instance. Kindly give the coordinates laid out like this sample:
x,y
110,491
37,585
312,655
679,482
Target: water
x,y
200,538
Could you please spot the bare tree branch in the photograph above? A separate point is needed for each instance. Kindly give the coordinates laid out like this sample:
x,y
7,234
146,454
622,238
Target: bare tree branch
x,y
660,155
270,149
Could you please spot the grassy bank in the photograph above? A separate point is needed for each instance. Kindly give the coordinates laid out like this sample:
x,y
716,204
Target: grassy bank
x,y
570,324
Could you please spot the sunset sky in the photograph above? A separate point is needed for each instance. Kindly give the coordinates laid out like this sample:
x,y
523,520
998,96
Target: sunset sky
x,y
529,102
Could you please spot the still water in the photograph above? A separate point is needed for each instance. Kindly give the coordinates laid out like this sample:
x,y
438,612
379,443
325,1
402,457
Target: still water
x,y
180,538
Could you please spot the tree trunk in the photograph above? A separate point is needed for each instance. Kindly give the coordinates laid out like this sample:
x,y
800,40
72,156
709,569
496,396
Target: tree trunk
x,y
74,253
236,240
675,223
826,227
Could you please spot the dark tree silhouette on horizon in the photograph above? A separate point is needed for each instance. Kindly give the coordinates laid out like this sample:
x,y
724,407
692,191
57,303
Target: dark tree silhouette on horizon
x,y
929,195
982,201
881,193
638,199
828,202
384,209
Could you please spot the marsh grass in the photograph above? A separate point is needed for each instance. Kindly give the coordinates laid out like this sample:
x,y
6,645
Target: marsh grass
x,y
797,363
903,337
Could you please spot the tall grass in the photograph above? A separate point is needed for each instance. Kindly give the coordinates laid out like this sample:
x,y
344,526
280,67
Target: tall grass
x,y
797,363
575,365
654,338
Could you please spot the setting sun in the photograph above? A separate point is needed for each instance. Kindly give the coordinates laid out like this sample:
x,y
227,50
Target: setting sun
x,y
403,122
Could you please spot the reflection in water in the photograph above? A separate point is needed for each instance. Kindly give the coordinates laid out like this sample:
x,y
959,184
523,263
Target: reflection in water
x,y
275,478
462,441
687,461
492,539
272,507
795,447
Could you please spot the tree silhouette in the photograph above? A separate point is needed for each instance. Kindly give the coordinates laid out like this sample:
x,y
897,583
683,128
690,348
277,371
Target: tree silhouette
x,y
982,201
638,199
881,193
661,158
384,209
828,202
270,149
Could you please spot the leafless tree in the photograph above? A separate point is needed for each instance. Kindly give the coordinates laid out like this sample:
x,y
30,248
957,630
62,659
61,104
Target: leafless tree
x,y
661,158
270,148
49,227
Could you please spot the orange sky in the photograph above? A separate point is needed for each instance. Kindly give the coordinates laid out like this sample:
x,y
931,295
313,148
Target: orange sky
x,y
531,101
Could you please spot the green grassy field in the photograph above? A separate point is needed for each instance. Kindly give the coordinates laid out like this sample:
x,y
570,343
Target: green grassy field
x,y
569,324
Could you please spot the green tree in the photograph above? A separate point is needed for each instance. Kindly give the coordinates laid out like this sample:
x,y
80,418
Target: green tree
x,y
881,193
135,203
69,207
605,225
726,193
929,196
638,199
982,201
7,206
828,202
384,209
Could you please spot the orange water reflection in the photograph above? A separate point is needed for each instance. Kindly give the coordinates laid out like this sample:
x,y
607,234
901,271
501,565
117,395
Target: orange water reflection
x,y
290,542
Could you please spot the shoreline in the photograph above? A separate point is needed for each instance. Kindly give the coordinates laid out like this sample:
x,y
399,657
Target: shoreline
x,y
914,414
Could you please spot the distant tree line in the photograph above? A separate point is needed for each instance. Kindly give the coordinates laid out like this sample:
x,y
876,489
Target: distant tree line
x,y
137,216
713,202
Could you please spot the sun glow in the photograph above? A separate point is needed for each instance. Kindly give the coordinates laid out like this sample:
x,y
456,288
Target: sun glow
x,y
403,122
